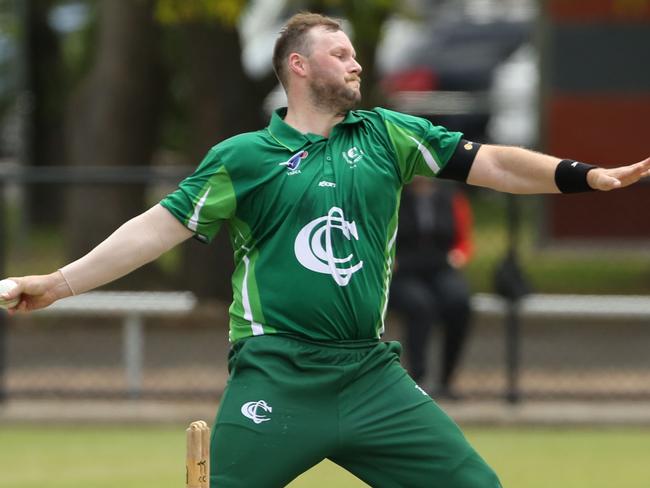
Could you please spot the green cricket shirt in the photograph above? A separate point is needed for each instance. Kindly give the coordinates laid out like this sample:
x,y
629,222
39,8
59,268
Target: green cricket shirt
x,y
313,220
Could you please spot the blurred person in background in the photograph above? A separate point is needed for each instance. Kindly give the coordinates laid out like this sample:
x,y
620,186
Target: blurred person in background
x,y
434,243
311,205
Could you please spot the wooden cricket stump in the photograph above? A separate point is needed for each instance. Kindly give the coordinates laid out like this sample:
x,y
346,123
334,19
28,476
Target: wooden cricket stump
x,y
197,460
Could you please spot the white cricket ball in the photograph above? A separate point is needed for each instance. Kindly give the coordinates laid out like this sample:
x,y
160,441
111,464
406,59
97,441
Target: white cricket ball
x,y
5,286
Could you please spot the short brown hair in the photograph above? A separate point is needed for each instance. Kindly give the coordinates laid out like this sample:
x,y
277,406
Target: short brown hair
x,y
293,38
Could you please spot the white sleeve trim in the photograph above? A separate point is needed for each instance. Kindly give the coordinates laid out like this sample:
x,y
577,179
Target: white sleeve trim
x,y
426,154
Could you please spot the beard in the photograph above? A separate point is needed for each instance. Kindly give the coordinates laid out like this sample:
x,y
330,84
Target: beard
x,y
334,96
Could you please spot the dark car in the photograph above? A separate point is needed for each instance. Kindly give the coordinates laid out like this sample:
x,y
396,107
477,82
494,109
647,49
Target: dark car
x,y
448,77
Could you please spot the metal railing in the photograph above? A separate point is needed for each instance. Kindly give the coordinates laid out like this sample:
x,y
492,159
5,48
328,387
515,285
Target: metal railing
x,y
97,175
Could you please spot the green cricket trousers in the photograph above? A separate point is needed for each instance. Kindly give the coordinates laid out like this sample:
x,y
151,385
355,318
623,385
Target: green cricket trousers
x,y
290,403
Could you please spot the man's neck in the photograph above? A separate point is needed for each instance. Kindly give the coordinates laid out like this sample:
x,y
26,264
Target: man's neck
x,y
308,119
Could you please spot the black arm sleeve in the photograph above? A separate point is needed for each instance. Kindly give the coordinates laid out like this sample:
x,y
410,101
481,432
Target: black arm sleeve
x,y
458,166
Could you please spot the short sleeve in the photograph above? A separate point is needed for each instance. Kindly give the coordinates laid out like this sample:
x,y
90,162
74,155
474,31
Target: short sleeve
x,y
205,199
421,148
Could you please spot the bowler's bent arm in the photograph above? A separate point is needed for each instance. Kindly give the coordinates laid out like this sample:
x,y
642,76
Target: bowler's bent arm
x,y
134,244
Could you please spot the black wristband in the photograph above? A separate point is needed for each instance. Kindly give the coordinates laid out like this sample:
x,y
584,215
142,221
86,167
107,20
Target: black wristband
x,y
571,176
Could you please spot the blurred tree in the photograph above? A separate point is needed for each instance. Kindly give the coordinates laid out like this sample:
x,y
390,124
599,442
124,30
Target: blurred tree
x,y
220,100
113,118
42,82
226,12
9,74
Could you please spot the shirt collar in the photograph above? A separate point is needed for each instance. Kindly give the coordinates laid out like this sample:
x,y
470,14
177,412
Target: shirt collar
x,y
293,139
352,117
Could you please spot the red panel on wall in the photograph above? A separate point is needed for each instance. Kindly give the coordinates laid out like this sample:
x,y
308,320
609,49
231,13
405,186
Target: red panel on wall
x,y
604,130
598,10
608,131
619,215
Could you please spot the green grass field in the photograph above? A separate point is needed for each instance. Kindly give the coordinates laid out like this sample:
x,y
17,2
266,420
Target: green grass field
x,y
137,457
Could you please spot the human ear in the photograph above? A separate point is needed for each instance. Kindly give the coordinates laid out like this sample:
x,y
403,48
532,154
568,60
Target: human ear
x,y
297,64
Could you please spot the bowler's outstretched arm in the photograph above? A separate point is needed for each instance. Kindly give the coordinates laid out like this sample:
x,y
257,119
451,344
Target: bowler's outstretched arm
x,y
518,170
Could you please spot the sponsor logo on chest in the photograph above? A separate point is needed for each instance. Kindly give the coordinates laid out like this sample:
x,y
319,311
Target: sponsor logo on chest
x,y
293,163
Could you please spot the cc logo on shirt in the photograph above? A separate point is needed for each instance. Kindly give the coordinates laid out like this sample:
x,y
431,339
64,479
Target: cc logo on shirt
x,y
313,246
